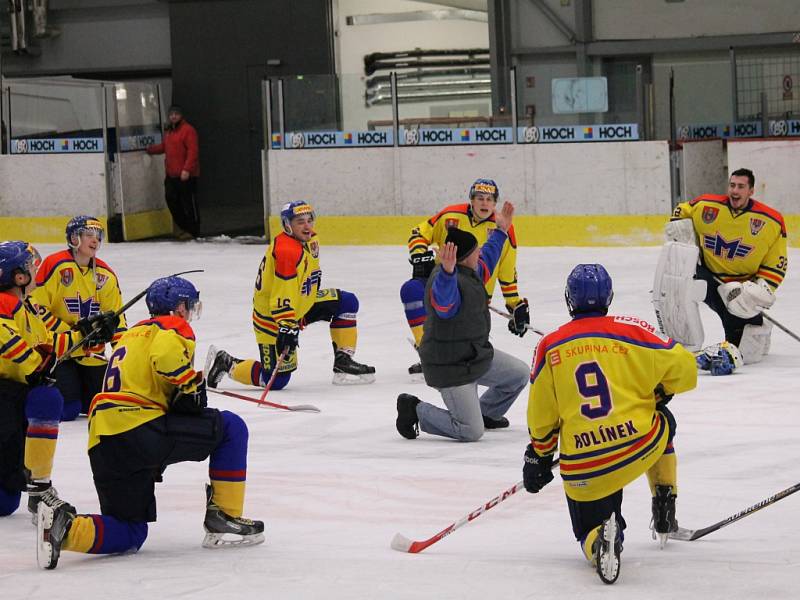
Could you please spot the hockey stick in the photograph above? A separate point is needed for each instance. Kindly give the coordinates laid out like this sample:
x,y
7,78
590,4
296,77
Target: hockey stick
x,y
690,535
124,307
769,318
295,407
402,544
509,317
279,364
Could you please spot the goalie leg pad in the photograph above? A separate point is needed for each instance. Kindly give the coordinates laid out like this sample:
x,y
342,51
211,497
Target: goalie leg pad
x,y
677,294
755,342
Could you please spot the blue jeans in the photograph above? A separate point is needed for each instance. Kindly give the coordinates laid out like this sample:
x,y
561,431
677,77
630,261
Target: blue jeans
x,y
463,420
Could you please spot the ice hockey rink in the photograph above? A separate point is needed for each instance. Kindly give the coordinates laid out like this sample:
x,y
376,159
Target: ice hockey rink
x,y
334,487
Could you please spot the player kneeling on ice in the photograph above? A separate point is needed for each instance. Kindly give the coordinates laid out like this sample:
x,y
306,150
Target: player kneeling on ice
x,y
152,413
740,262
30,405
599,389
286,299
455,350
477,217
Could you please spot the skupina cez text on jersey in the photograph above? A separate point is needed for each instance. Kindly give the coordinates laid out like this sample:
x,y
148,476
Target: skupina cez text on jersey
x,y
592,398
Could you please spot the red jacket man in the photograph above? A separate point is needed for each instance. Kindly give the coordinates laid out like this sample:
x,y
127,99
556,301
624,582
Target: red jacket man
x,y
181,163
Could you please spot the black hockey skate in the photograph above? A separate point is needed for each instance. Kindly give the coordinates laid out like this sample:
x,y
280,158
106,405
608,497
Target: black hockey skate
x,y
218,364
407,422
346,371
607,549
54,518
223,530
36,491
490,423
663,522
415,371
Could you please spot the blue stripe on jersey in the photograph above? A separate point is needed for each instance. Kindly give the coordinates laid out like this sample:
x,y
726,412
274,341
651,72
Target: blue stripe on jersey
x,y
21,359
14,341
623,463
177,371
594,453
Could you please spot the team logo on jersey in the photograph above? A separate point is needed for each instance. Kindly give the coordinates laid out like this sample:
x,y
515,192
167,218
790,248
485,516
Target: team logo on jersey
x,y
719,246
555,358
710,214
101,281
756,225
311,282
66,277
313,247
82,308
451,224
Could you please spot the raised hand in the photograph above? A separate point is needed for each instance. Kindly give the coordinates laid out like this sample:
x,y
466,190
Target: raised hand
x,y
447,257
503,216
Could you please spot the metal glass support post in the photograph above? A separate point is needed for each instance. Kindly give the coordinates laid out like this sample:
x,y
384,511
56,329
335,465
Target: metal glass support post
x,y
764,115
108,168
281,116
640,100
734,86
118,163
160,118
395,110
512,81
266,103
8,125
266,115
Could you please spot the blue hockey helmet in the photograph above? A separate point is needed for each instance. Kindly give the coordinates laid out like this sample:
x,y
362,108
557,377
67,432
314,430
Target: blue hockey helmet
x,y
294,209
17,257
83,224
484,186
165,295
588,289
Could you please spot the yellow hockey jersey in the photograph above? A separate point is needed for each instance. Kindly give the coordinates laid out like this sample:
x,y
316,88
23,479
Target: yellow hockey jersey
x,y
67,292
152,360
286,286
738,245
24,338
434,231
592,397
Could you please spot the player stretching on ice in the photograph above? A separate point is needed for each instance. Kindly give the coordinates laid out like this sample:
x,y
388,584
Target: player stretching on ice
x,y
599,389
477,217
286,299
743,260
152,413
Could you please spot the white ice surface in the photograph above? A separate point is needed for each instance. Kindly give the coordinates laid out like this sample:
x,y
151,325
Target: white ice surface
x,y
335,487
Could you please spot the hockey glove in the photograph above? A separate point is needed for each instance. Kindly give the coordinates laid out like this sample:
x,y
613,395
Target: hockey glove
x,y
746,300
536,472
721,359
100,327
520,318
662,397
41,376
422,264
190,403
288,338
